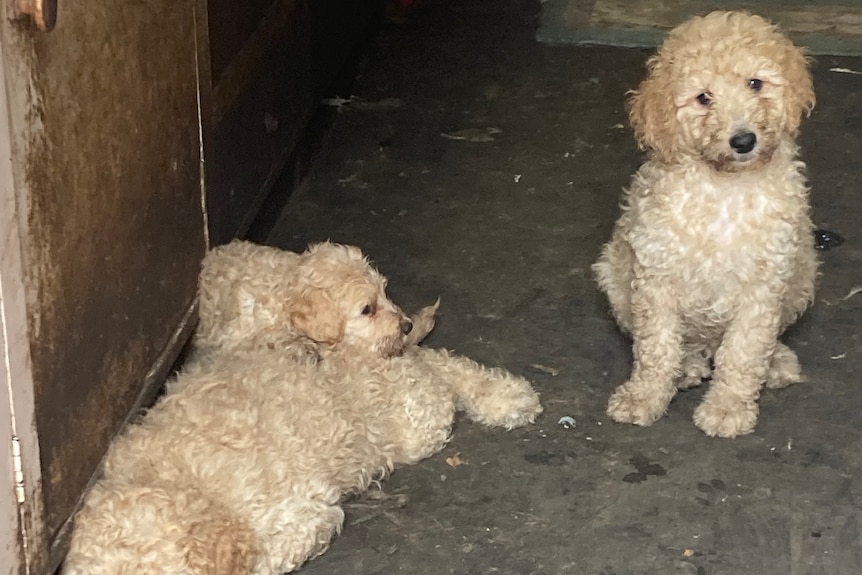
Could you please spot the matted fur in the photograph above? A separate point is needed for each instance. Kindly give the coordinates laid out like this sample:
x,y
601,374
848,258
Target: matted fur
x,y
713,255
304,388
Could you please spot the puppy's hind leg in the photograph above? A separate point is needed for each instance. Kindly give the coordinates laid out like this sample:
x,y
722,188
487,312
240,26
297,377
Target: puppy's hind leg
x,y
152,530
784,368
491,396
297,529
695,367
614,275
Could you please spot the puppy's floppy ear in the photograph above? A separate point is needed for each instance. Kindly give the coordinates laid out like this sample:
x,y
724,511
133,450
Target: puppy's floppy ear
x,y
799,96
652,110
316,315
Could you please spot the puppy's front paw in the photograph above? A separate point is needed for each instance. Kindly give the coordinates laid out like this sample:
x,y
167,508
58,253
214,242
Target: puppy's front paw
x,y
524,408
627,406
512,404
726,416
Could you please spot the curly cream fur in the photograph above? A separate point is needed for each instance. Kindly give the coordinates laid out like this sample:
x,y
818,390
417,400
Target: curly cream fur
x,y
304,388
713,255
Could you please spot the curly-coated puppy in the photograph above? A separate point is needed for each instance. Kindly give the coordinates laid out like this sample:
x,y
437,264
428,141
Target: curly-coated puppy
x,y
258,297
713,256
241,467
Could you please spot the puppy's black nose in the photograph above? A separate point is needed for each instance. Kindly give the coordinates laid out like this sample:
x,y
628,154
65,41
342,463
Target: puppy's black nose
x,y
743,142
406,326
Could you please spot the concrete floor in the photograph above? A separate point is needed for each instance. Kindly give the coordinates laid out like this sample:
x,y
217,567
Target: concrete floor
x,y
503,226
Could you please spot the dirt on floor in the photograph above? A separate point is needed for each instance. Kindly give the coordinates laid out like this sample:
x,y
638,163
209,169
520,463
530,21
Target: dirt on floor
x,y
474,164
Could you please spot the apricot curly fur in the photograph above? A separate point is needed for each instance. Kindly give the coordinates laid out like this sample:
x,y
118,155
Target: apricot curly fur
x,y
307,384
713,255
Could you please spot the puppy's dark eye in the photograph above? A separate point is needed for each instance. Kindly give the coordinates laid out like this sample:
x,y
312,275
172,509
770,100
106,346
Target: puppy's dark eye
x,y
704,99
368,310
755,84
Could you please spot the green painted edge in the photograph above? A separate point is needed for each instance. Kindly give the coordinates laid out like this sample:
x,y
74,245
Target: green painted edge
x,y
553,30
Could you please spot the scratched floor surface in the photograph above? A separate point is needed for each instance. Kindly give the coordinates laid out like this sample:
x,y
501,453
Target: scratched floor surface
x,y
478,166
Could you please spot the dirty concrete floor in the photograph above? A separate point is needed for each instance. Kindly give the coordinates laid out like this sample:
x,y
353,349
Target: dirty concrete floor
x,y
503,226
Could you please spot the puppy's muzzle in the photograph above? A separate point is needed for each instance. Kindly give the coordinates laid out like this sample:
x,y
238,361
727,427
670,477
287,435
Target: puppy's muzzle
x,y
743,142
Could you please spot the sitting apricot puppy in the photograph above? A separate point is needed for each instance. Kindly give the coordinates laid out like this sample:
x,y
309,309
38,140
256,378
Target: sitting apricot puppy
x,y
301,391
713,256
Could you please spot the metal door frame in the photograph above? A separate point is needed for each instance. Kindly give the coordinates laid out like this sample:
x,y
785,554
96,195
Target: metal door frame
x,y
20,470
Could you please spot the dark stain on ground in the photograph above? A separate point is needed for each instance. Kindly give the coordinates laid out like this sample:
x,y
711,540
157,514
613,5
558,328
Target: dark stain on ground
x,y
545,458
716,489
757,454
711,487
645,468
823,457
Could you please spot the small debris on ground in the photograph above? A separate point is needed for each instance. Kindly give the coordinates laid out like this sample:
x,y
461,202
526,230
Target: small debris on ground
x,y
473,134
826,239
455,460
384,104
544,368
845,71
336,102
355,103
852,292
373,504
567,421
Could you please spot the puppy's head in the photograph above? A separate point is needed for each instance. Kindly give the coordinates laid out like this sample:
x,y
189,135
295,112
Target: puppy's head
x,y
725,89
342,303
327,298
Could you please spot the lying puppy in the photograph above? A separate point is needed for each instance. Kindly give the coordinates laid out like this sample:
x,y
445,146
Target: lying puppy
x,y
302,391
